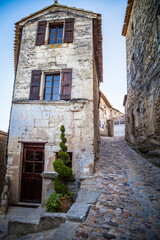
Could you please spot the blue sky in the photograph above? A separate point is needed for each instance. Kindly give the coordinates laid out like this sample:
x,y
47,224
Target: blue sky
x,y
114,52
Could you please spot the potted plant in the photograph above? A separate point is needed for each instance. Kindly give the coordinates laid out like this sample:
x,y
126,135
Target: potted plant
x,y
62,199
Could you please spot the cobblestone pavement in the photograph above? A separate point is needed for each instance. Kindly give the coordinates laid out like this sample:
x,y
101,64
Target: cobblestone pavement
x,y
129,203
128,206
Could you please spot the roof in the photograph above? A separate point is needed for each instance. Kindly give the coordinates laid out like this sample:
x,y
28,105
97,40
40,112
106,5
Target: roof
x,y
97,35
105,99
127,16
3,133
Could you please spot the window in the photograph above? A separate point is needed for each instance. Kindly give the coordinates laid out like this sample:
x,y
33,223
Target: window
x,y
56,34
52,87
158,23
132,66
132,31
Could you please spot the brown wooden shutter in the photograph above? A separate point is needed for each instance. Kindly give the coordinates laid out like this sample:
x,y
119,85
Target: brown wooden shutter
x,y
69,29
35,85
41,29
66,84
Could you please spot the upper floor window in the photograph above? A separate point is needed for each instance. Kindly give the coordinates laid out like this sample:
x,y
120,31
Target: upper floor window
x,y
55,33
52,87
57,86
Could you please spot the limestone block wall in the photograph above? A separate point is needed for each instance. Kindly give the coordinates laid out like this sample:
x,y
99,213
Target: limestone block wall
x,y
77,56
40,120
143,77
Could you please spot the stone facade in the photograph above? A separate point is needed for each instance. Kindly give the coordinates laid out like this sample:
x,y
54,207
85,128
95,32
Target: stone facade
x,y
107,116
3,142
105,109
142,33
39,121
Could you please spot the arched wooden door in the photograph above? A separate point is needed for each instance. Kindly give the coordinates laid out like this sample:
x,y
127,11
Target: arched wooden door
x,y
33,165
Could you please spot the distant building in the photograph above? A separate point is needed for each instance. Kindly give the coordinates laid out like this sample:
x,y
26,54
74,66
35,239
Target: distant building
x,y
105,109
108,117
142,31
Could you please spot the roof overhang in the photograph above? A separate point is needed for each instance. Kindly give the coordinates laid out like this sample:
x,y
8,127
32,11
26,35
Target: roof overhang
x,y
105,99
127,16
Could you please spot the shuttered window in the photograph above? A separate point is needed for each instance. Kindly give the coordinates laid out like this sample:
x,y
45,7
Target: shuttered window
x,y
69,29
56,90
35,85
56,34
52,87
41,29
66,84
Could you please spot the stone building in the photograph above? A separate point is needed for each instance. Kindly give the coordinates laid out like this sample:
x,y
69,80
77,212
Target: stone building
x,y
108,117
105,109
58,68
3,142
142,31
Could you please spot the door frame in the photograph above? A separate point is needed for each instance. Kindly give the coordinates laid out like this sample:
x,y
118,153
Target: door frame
x,y
30,145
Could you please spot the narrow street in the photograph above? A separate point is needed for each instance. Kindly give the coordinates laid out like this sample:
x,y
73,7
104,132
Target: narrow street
x,y
129,203
128,206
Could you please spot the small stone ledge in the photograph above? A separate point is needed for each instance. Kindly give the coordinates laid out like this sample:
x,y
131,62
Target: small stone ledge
x,y
49,175
53,175
61,102
87,196
78,212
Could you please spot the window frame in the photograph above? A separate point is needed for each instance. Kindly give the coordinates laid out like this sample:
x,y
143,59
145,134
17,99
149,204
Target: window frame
x,y
52,74
57,25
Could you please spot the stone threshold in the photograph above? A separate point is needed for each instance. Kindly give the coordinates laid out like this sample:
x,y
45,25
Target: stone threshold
x,y
26,204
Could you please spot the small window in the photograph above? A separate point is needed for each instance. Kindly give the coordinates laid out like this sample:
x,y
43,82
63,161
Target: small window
x,y
56,34
133,65
52,87
132,31
158,24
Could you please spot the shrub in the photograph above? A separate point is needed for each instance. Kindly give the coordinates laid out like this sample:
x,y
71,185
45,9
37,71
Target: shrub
x,y
53,203
60,167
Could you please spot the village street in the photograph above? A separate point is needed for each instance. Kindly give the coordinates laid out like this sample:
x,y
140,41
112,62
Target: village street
x,y
128,205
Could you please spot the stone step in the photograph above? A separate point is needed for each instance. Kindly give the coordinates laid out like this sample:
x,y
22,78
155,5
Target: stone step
x,y
22,226
65,232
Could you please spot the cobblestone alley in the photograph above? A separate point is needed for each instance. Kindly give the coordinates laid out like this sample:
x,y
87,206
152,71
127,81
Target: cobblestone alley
x,y
128,206
129,202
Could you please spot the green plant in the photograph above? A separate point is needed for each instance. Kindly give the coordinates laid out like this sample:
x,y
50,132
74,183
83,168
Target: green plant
x,y
60,167
53,202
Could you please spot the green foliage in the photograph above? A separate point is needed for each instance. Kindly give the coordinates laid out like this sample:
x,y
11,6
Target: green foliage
x,y
60,167
53,202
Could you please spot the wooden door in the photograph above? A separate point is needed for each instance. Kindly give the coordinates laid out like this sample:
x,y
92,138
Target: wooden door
x,y
33,165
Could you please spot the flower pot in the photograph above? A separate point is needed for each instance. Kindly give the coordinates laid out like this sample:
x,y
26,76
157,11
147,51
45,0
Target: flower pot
x,y
66,203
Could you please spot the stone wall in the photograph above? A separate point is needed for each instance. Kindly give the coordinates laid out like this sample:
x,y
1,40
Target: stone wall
x,y
3,142
39,120
104,115
143,77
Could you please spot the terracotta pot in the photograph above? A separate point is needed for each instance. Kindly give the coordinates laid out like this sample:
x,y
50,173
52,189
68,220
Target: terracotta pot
x,y
66,204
